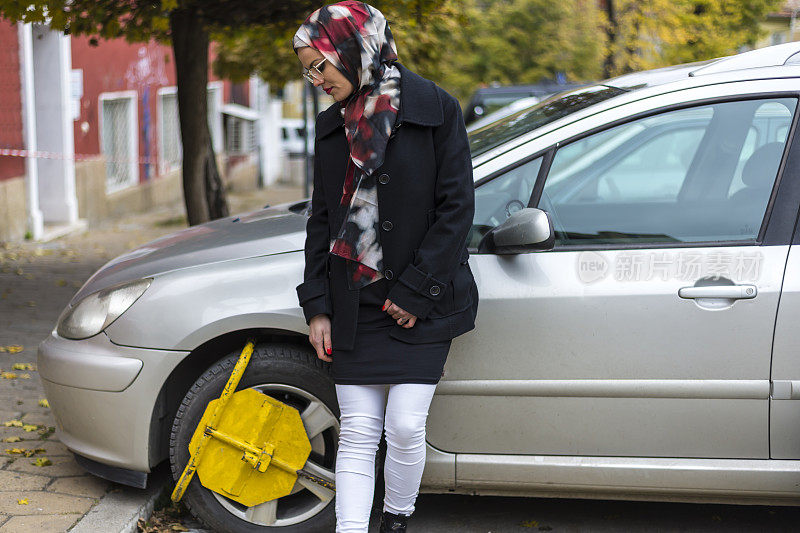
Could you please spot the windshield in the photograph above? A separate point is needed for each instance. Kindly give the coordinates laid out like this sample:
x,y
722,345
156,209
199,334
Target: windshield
x,y
560,105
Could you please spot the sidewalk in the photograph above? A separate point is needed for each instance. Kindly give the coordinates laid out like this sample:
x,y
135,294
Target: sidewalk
x,y
42,489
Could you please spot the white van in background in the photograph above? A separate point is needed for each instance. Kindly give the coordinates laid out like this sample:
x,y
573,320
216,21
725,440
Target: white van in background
x,y
292,136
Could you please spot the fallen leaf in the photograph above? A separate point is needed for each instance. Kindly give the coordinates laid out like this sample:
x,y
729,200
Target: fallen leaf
x,y
44,403
42,461
27,452
8,375
12,439
25,376
30,427
530,523
23,501
22,366
178,527
14,348
13,423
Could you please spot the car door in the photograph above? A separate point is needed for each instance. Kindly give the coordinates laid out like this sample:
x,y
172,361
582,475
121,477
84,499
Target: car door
x,y
647,330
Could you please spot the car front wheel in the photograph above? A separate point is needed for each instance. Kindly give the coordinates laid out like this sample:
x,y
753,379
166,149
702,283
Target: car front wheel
x,y
298,378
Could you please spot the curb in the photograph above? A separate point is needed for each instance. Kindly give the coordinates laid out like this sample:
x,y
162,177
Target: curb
x,y
120,510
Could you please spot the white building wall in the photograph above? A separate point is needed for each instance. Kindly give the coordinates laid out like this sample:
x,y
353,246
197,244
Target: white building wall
x,y
270,111
52,63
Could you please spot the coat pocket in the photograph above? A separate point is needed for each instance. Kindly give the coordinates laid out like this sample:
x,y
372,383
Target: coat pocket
x,y
458,296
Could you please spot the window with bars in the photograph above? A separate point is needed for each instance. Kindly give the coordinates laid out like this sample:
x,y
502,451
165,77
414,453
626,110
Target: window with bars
x,y
169,143
241,136
118,140
234,135
170,150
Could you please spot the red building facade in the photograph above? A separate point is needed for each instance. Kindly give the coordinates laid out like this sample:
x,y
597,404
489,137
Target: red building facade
x,y
141,75
11,106
116,67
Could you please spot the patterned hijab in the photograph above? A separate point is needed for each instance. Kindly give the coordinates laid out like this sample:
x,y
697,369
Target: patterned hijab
x,y
355,38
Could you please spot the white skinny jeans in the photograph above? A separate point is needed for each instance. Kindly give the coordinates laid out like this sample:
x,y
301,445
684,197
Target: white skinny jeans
x,y
362,422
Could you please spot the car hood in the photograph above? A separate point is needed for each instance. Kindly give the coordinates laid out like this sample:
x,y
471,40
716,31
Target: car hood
x,y
272,230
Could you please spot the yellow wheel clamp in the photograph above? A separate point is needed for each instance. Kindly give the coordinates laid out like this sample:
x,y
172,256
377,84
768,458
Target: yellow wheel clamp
x,y
249,447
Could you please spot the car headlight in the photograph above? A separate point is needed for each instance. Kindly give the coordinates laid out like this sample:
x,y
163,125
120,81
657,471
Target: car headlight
x,y
97,311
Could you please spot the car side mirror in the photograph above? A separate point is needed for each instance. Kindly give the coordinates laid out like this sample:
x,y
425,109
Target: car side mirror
x,y
527,230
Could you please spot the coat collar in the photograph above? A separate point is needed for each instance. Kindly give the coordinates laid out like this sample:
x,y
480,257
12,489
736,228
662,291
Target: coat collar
x,y
419,104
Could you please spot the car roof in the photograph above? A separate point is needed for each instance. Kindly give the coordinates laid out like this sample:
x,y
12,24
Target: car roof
x,y
776,61
771,56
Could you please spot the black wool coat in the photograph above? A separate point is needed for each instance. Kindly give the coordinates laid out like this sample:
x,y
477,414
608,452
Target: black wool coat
x,y
426,202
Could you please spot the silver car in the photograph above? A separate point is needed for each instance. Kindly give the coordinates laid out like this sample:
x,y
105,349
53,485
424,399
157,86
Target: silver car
x,y
633,248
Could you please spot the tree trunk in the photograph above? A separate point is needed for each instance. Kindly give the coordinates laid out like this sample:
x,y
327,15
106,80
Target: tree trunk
x,y
611,39
215,191
203,192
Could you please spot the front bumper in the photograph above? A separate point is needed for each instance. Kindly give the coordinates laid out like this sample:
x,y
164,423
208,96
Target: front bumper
x,y
132,478
102,396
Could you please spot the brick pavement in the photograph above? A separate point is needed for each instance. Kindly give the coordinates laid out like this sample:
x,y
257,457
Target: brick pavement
x,y
36,282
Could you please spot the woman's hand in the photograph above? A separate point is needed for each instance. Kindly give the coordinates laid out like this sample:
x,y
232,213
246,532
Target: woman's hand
x,y
320,335
403,317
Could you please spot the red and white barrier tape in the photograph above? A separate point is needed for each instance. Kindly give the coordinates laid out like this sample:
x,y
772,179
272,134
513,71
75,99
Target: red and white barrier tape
x,y
13,152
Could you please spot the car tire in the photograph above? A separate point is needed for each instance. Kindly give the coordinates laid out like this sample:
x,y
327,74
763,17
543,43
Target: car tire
x,y
288,373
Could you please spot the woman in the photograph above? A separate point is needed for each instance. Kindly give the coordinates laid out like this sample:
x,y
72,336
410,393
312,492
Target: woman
x,y
387,283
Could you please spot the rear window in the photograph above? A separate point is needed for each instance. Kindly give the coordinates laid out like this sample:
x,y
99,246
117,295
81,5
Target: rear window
x,y
547,111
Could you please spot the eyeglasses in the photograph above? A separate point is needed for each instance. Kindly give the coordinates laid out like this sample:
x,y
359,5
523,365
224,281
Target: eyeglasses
x,y
314,73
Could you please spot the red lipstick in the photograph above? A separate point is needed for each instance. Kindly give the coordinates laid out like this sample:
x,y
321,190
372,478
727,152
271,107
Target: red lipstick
x,y
327,90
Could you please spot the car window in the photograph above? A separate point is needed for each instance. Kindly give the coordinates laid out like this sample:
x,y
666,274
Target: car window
x,y
499,198
632,149
691,175
771,124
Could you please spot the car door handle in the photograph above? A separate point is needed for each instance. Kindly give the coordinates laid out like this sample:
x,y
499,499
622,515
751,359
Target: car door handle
x,y
730,292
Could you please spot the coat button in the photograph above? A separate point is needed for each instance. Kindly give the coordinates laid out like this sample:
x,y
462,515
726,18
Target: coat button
x,y
387,225
435,290
388,274
383,178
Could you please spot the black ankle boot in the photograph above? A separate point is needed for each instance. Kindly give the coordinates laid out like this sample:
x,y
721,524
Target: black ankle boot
x,y
393,522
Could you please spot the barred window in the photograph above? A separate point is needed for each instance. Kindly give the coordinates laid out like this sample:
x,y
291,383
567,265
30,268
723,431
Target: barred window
x,y
170,149
119,141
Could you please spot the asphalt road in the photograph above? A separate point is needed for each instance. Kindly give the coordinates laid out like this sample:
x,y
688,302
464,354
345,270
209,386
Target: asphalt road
x,y
438,513
492,514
